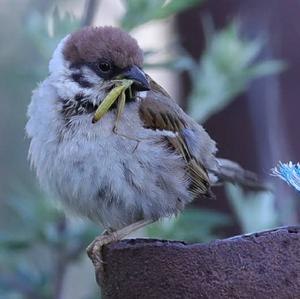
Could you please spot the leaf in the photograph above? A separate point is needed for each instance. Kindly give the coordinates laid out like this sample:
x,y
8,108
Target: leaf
x,y
139,12
267,68
225,70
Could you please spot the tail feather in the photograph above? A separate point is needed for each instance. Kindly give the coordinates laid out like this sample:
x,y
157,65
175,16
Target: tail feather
x,y
232,172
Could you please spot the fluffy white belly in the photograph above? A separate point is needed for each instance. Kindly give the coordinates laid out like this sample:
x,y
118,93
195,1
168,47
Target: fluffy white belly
x,y
108,178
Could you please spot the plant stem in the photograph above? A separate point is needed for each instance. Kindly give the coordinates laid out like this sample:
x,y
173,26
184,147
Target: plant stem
x,y
89,12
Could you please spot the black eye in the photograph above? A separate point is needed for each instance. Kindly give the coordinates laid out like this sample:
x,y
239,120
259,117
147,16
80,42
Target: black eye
x,y
104,67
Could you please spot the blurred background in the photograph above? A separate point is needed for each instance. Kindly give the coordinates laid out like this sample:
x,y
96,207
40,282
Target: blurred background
x,y
233,65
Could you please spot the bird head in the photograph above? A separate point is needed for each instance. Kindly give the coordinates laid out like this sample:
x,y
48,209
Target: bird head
x,y
89,61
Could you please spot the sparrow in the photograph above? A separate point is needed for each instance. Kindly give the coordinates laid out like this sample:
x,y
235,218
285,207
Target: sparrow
x,y
156,161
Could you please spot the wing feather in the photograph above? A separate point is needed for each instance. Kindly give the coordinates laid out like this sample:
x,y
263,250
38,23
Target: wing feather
x,y
158,112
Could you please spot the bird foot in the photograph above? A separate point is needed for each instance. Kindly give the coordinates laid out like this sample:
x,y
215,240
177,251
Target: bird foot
x,y
94,250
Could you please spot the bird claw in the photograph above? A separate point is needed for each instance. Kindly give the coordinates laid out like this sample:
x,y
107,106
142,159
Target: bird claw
x,y
94,250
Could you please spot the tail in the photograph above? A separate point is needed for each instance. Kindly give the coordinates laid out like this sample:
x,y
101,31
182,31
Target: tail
x,y
229,171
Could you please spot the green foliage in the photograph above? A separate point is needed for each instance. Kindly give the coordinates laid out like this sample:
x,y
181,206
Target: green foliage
x,y
225,70
255,211
139,12
39,234
193,225
174,61
37,29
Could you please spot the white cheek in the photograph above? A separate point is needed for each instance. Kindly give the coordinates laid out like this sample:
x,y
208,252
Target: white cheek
x,y
90,76
65,86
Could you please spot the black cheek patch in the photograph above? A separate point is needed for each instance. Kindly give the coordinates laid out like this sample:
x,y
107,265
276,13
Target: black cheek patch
x,y
78,78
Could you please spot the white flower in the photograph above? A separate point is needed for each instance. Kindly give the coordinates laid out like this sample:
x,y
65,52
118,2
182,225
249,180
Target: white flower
x,y
288,172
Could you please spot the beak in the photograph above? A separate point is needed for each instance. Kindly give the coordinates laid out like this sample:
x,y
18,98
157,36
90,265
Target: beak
x,y
138,76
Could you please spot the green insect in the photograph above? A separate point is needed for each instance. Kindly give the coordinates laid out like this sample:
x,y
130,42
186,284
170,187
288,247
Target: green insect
x,y
117,93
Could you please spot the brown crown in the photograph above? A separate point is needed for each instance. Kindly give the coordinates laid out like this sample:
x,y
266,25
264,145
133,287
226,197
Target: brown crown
x,y
93,43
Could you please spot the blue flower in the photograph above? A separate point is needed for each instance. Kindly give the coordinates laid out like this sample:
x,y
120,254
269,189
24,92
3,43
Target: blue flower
x,y
288,172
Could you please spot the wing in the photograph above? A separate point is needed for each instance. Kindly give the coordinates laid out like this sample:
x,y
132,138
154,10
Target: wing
x,y
158,111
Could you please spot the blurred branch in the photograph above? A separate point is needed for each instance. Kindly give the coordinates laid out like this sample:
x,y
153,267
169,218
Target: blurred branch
x,y
89,12
64,259
65,255
61,262
42,6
